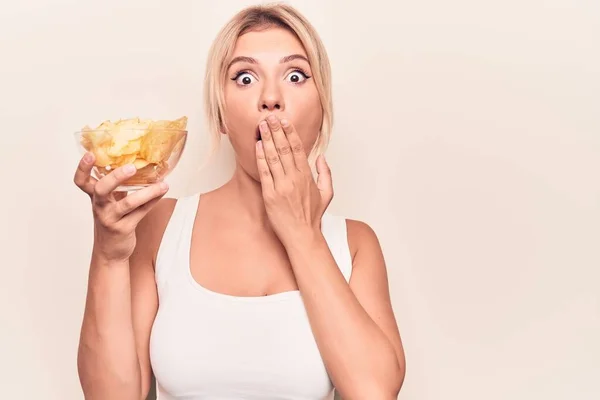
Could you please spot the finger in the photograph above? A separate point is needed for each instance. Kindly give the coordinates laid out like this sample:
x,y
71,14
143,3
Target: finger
x,y
324,181
83,178
282,145
271,155
137,199
110,182
298,152
135,216
266,180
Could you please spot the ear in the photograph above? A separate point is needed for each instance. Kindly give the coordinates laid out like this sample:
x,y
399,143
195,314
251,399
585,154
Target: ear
x,y
222,128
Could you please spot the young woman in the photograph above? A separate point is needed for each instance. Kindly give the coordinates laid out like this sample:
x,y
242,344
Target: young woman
x,y
253,290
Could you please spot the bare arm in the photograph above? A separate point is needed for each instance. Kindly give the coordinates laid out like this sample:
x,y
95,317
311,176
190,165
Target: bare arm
x,y
107,360
114,355
121,299
354,325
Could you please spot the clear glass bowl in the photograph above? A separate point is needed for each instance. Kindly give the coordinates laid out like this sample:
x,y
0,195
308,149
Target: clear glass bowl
x,y
155,153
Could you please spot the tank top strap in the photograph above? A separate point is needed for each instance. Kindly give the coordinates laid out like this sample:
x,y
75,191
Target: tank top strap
x,y
174,249
335,232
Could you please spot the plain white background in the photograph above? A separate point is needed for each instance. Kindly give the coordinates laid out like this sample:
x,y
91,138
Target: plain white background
x,y
467,133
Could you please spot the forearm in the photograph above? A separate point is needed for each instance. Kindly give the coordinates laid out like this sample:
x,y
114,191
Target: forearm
x,y
358,356
107,359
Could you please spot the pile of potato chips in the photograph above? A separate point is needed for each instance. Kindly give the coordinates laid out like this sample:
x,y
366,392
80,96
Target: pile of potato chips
x,y
146,144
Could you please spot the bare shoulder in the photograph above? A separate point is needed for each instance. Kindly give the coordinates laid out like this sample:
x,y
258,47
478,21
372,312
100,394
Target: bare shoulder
x,y
361,238
151,229
369,276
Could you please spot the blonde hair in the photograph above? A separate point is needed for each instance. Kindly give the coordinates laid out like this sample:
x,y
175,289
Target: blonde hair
x,y
255,18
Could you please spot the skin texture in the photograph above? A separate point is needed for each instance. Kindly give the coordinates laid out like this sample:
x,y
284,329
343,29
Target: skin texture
x,y
272,199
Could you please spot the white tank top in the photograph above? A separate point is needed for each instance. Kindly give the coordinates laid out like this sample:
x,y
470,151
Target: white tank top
x,y
208,345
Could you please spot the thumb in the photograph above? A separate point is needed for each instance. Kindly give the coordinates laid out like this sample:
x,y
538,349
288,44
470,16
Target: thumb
x,y
324,181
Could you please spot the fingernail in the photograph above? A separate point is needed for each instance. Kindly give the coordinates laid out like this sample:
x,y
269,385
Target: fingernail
x,y
88,157
284,122
129,169
272,119
259,144
163,186
263,126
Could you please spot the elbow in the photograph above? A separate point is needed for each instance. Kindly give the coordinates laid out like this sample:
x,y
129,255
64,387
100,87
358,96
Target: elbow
x,y
398,377
388,388
385,385
400,373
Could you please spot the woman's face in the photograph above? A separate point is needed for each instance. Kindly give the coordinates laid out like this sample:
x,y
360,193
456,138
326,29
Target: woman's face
x,y
269,74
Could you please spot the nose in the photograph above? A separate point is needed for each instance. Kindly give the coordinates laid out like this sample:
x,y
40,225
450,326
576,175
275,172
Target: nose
x,y
271,99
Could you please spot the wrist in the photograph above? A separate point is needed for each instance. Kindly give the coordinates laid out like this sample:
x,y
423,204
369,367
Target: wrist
x,y
303,239
102,259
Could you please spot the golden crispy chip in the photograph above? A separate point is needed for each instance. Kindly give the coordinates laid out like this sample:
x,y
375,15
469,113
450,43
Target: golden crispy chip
x,y
123,160
126,136
140,163
121,147
145,143
98,143
158,145
180,123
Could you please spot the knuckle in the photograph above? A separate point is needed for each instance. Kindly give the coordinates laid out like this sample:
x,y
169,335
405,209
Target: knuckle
x,y
297,148
273,160
265,172
125,204
98,191
122,228
113,226
284,150
103,220
114,229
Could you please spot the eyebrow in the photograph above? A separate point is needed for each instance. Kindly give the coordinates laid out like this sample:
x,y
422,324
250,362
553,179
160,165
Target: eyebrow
x,y
251,60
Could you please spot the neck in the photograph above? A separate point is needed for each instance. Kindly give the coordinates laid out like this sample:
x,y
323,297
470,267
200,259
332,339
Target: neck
x,y
245,193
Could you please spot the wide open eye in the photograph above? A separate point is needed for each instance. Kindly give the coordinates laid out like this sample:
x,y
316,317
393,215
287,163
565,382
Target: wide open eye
x,y
297,76
244,78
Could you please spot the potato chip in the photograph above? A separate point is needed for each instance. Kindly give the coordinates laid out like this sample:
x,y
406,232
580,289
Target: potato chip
x,y
146,144
123,160
97,142
140,163
121,147
158,145
102,158
180,123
